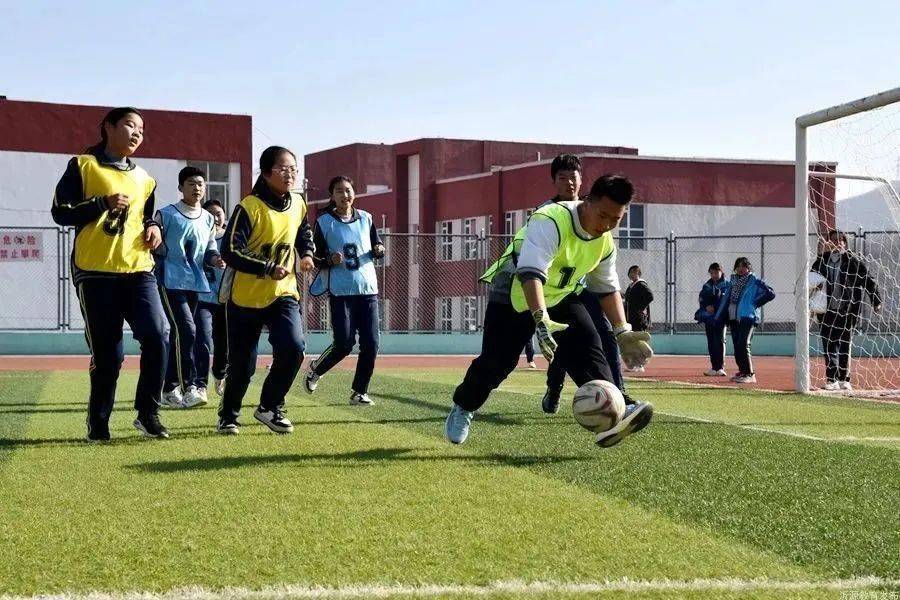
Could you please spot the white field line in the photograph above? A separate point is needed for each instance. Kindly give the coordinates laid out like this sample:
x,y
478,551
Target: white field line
x,y
853,395
804,436
387,590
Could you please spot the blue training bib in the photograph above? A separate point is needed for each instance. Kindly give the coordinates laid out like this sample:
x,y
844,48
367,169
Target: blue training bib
x,y
355,276
185,240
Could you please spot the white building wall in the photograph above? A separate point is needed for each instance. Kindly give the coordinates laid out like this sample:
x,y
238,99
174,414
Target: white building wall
x,y
28,290
740,228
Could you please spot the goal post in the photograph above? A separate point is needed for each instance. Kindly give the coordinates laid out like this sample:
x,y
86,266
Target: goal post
x,y
861,151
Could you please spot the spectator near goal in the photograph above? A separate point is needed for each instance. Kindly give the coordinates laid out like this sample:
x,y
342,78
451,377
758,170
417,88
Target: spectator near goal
x,y
710,297
739,307
637,304
846,277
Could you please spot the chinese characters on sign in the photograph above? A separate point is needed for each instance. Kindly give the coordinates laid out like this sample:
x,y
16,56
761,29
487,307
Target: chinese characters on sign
x,y
21,245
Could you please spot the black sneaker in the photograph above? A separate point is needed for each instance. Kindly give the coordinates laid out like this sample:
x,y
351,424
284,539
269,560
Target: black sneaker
x,y
273,419
228,427
150,426
637,416
629,400
550,402
97,433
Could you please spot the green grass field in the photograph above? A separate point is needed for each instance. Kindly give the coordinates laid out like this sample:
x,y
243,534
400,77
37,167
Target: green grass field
x,y
728,494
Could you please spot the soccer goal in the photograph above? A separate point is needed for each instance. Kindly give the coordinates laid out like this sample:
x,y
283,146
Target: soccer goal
x,y
848,303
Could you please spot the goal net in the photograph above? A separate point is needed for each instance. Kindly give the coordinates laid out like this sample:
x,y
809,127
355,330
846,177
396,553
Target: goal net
x,y
848,283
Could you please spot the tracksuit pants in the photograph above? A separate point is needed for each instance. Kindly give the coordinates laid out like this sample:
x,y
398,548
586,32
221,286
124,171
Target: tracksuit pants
x,y
556,373
283,320
352,316
837,341
106,304
715,344
181,371
741,336
580,349
211,341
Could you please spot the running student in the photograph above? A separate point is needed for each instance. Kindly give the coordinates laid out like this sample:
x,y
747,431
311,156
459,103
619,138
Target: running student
x,y
564,244
267,235
109,199
212,336
347,245
188,248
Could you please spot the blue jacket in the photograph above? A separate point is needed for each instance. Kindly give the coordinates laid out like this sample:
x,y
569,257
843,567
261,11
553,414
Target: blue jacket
x,y
756,293
710,295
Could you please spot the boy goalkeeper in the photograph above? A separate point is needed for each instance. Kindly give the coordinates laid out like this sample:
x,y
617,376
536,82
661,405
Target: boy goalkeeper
x,y
567,246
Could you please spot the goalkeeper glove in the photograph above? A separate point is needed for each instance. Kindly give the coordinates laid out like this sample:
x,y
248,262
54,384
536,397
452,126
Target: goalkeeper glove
x,y
545,328
634,346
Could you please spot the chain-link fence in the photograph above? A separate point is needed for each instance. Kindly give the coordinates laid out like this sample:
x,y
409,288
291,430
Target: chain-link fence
x,y
33,268
430,282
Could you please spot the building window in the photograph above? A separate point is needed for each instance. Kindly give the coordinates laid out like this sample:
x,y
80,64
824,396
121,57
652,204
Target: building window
x,y
216,181
445,242
470,313
445,314
631,228
509,222
470,243
528,214
490,227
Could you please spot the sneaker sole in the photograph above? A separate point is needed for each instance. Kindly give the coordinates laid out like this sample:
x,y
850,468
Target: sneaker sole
x,y
272,427
140,427
228,431
358,403
196,404
637,422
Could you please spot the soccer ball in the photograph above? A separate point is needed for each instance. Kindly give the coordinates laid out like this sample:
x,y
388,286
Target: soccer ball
x,y
598,405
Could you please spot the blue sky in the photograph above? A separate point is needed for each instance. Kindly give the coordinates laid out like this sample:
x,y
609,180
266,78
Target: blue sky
x,y
722,79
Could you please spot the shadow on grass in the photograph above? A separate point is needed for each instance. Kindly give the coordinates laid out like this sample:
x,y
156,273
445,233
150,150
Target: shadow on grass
x,y
442,408
357,458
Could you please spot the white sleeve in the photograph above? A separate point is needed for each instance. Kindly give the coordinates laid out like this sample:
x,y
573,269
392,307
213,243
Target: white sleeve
x,y
604,279
540,245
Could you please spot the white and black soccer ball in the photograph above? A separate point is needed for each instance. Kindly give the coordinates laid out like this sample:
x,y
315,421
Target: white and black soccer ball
x,y
598,405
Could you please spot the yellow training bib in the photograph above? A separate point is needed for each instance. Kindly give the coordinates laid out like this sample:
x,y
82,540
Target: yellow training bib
x,y
114,243
273,235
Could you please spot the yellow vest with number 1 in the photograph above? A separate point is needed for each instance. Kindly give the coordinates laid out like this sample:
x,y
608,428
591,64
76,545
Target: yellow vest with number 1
x,y
575,258
272,236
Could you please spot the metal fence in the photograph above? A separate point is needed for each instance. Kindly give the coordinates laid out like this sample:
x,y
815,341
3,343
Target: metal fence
x,y
430,282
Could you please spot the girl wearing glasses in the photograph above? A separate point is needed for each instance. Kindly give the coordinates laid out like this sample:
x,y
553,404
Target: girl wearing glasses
x,y
268,234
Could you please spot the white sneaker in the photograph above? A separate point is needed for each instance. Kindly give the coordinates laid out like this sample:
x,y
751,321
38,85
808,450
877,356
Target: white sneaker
x,y
220,386
193,397
311,381
361,399
531,365
172,399
746,379
845,385
715,373
638,370
831,386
